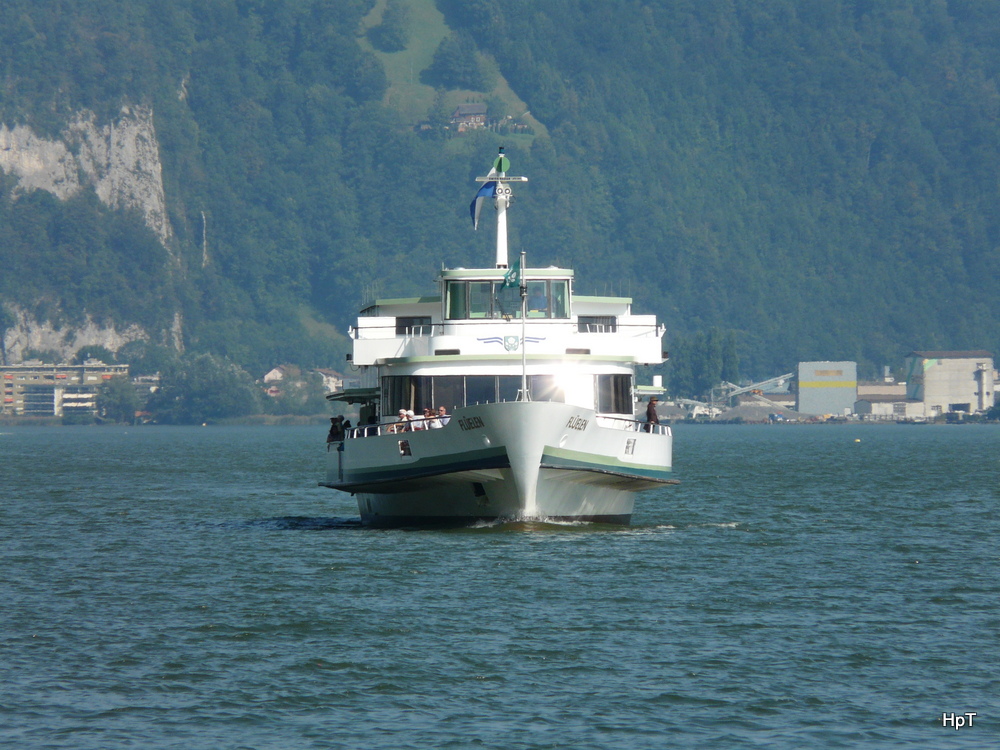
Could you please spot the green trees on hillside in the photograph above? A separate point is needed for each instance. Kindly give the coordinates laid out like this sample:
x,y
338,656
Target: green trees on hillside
x,y
800,175
394,32
64,258
117,400
456,65
819,179
203,388
701,361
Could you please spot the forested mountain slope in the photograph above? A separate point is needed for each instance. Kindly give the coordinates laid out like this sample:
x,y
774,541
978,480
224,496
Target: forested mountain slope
x,y
819,179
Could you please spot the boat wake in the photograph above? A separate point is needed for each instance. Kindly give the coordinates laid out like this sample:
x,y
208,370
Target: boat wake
x,y
299,523
539,524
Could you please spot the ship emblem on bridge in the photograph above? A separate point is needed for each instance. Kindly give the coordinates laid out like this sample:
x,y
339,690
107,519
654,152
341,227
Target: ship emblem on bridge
x,y
511,343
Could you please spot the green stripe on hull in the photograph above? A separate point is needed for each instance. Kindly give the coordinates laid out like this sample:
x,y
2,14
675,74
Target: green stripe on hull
x,y
560,458
487,458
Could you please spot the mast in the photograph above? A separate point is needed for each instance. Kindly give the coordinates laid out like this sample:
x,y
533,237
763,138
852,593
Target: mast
x,y
496,185
524,395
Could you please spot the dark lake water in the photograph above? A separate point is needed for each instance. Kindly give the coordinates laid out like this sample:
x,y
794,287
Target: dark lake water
x,y
828,586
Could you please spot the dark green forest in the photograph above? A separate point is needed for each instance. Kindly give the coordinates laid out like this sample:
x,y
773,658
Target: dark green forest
x,y
787,179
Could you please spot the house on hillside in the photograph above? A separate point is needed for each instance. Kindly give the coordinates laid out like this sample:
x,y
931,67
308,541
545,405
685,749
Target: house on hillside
x,y
279,373
332,380
469,116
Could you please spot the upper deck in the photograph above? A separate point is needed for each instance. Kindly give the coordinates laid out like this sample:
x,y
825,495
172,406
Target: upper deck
x,y
474,316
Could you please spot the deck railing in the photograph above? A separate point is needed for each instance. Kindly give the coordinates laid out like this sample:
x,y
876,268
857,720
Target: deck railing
x,y
397,428
632,425
390,330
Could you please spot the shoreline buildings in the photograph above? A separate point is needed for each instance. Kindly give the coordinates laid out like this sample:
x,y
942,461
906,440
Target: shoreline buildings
x,y
41,390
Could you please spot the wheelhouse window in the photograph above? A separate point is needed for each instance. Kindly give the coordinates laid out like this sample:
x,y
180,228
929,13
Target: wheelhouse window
x,y
458,300
559,296
474,300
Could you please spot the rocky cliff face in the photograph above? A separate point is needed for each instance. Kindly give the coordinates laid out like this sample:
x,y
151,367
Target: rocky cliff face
x,y
28,333
121,159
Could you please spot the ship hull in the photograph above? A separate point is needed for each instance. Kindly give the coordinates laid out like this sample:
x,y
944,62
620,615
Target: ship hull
x,y
504,461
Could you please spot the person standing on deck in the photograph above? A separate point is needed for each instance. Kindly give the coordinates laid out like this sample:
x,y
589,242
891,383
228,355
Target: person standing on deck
x,y
651,415
336,433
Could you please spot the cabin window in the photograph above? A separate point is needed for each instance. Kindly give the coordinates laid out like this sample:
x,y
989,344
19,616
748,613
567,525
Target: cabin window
x,y
418,392
614,394
507,387
480,389
449,391
413,326
544,388
597,324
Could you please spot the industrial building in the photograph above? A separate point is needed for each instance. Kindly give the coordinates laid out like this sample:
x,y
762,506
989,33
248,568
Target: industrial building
x,y
36,389
893,408
951,381
826,387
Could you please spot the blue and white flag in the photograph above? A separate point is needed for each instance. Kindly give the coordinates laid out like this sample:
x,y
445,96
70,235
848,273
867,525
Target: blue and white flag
x,y
488,190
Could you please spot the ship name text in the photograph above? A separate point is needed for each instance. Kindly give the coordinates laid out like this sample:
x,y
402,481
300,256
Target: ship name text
x,y
470,423
577,423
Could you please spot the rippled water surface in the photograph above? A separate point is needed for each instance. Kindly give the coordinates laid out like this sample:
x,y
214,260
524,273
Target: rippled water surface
x,y
829,586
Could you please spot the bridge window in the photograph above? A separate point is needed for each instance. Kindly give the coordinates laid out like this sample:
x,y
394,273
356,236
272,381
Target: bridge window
x,y
489,300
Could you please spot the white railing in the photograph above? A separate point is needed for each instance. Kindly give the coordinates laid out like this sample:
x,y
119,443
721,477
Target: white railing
x,y
632,425
398,428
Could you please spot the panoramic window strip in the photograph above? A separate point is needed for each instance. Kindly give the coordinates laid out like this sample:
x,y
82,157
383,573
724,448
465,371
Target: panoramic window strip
x,y
417,392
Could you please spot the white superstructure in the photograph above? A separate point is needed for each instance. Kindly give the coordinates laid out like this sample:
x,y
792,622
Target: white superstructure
x,y
539,384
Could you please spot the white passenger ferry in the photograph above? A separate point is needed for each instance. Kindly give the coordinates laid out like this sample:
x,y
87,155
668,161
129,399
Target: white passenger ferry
x,y
539,385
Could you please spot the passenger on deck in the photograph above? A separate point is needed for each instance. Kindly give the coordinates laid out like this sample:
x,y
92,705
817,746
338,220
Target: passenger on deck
x,y
651,416
414,423
431,422
402,425
443,416
336,433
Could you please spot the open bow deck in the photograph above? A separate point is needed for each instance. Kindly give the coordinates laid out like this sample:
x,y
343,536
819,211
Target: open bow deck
x,y
538,385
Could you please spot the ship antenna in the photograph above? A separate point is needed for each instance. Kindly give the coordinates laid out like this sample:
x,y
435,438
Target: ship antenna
x,y
496,185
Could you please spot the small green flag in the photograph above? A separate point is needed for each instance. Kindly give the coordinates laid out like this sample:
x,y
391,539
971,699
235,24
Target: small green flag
x,y
513,276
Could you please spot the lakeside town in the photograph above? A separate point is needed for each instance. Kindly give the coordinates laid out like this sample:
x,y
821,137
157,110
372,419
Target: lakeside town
x,y
939,386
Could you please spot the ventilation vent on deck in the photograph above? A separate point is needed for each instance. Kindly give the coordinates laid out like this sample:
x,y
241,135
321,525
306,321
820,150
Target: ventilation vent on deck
x,y
578,351
446,352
